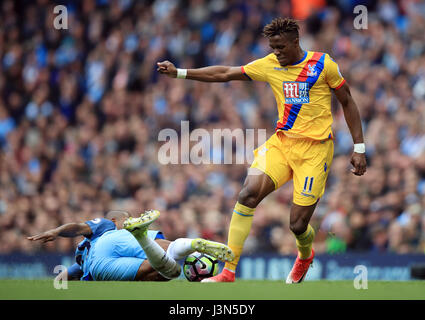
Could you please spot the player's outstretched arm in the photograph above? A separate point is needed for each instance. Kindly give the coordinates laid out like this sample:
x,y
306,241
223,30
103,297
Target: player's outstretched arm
x,y
68,230
352,117
207,74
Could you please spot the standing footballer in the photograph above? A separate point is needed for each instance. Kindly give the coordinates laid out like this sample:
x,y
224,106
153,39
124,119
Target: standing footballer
x,y
301,149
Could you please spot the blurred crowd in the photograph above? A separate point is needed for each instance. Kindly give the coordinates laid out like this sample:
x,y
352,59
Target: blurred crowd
x,y
81,110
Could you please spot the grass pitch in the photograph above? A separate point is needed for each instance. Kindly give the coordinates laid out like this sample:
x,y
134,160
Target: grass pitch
x,y
184,290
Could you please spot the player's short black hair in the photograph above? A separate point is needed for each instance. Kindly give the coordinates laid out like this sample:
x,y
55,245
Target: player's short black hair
x,y
280,26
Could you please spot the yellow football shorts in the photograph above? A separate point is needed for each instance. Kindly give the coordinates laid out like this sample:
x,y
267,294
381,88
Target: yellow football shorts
x,y
306,161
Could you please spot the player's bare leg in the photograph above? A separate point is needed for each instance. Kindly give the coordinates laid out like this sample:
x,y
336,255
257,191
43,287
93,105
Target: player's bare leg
x,y
256,187
299,224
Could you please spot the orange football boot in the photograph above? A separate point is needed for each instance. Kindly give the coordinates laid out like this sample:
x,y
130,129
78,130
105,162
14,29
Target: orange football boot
x,y
299,270
225,276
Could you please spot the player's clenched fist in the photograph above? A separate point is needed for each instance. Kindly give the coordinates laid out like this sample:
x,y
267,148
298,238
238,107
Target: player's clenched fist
x,y
166,67
358,160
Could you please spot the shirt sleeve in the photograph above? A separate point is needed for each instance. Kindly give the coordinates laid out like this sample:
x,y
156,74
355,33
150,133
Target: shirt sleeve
x,y
334,77
99,226
256,70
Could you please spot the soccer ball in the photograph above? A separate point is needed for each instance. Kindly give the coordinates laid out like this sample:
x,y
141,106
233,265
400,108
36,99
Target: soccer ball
x,y
198,266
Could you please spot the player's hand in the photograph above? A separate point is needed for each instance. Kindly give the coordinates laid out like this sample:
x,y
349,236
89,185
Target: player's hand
x,y
45,236
358,160
167,68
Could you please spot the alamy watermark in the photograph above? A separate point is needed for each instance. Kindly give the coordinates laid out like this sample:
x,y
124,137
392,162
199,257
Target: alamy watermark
x,y
360,281
61,280
360,21
61,20
200,146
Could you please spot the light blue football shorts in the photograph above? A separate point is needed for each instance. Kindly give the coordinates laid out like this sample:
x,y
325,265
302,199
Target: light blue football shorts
x,y
117,256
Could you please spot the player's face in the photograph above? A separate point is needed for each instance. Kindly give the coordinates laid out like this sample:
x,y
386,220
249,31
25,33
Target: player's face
x,y
284,48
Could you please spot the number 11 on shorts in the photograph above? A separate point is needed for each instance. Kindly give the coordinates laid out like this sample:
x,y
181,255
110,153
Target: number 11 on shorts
x,y
308,182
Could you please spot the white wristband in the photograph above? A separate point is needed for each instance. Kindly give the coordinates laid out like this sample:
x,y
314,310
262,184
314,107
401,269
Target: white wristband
x,y
359,148
181,73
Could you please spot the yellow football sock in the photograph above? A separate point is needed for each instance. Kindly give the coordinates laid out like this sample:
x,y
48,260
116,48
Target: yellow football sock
x,y
239,229
305,242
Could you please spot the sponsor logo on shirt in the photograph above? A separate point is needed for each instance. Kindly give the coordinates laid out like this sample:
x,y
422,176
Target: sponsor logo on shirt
x,y
296,92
